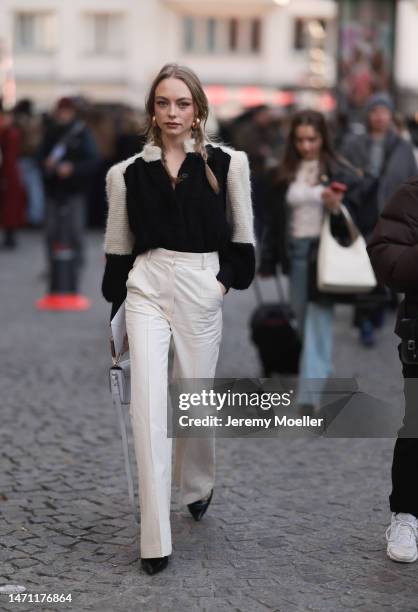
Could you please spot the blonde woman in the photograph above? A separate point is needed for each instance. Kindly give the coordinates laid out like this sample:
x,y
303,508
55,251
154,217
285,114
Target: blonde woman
x,y
179,234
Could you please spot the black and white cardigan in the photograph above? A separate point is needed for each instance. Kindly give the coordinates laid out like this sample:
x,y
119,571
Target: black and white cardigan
x,y
143,176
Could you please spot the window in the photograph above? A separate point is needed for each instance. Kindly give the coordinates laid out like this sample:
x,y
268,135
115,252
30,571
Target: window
x,y
35,32
104,33
212,35
308,32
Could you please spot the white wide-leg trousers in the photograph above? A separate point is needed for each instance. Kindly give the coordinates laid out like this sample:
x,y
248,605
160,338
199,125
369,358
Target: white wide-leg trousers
x,y
170,294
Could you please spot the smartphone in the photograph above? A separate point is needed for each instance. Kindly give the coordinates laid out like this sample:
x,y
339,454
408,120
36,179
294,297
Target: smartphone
x,y
338,187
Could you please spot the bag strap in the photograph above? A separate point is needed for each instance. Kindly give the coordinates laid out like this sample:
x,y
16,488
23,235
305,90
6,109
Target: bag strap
x,y
114,385
66,138
351,226
75,129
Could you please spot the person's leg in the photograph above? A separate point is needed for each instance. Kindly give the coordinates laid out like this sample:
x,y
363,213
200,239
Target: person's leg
x,y
298,278
77,203
37,194
149,338
402,533
316,357
197,330
25,171
363,319
316,360
32,180
9,241
404,495
51,228
378,316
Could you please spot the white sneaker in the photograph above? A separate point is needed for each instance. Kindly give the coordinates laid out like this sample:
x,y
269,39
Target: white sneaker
x,y
401,537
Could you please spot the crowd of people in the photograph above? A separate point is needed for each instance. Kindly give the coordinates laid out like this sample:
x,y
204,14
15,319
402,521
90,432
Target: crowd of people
x,y
298,189
110,133
62,156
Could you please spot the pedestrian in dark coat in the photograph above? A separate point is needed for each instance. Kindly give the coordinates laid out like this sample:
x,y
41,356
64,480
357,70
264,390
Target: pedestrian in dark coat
x,y
386,160
381,153
12,192
68,155
393,251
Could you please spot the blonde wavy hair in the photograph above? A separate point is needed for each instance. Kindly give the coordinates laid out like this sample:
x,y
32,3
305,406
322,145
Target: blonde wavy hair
x,y
153,132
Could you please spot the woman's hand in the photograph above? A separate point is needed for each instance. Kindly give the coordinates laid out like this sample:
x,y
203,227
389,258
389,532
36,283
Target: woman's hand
x,y
332,199
223,288
65,169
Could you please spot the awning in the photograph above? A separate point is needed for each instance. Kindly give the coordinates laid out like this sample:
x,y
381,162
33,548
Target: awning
x,y
226,100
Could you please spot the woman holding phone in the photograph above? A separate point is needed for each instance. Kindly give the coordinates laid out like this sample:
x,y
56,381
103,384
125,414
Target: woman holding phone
x,y
179,234
309,180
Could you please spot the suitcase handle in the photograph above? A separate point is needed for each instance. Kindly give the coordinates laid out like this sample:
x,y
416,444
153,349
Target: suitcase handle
x,y
279,287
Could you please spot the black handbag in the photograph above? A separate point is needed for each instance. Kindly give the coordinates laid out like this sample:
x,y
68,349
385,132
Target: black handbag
x,y
408,329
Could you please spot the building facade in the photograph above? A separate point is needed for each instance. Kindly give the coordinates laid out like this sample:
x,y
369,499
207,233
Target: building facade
x,y
245,51
406,74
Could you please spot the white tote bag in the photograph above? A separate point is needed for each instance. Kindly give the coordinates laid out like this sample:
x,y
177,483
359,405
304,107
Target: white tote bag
x,y
343,269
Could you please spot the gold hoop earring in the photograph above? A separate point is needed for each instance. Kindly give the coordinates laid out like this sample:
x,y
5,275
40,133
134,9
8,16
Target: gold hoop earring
x,y
153,121
196,123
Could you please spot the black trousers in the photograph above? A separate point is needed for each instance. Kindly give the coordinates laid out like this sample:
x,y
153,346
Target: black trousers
x,y
404,496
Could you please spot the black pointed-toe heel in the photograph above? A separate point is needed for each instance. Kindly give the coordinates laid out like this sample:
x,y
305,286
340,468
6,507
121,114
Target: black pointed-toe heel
x,y
198,508
154,565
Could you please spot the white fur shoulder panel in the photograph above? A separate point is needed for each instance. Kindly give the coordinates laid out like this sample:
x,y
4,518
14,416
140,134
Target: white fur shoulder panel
x,y
119,239
152,152
240,209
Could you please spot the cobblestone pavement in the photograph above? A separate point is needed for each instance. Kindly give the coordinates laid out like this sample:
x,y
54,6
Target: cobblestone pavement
x,y
294,525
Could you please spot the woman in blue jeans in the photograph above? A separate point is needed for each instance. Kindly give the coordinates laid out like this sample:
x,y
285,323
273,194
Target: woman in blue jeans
x,y
299,190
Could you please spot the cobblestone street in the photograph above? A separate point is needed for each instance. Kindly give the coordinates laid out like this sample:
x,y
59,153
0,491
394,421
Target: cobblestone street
x,y
295,525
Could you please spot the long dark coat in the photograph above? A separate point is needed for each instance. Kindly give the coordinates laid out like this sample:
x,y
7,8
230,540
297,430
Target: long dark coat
x,y
12,192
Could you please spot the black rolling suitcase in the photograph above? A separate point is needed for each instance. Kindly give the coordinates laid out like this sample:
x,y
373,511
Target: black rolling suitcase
x,y
274,333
